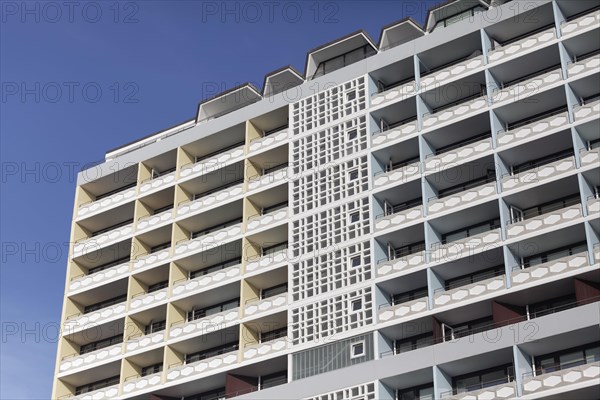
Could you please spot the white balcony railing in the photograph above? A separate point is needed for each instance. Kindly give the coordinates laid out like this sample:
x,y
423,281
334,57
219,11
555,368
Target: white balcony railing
x,y
267,260
593,205
468,196
207,281
470,291
200,243
580,67
147,299
89,359
209,323
398,175
407,129
401,91
544,221
209,200
458,155
562,378
256,306
199,367
589,109
527,43
261,221
404,264
157,183
141,342
88,281
212,163
152,259
533,129
268,141
399,218
585,22
529,87
590,157
467,246
273,178
505,390
150,221
453,71
539,174
97,242
460,110
262,349
396,311
550,268
107,202
78,321
143,382
109,392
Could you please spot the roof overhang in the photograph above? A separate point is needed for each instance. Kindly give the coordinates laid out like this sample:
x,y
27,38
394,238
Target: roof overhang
x,y
399,32
336,48
281,80
450,8
228,101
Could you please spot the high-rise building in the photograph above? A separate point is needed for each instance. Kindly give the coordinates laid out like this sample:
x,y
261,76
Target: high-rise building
x,y
413,219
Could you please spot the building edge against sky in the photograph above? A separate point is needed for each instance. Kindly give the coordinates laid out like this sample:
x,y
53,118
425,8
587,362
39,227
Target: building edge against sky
x,y
417,218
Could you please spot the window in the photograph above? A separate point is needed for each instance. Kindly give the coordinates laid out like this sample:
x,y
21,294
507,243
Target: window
x,y
154,327
152,369
357,349
100,344
354,217
158,286
350,95
355,305
105,303
353,175
567,358
353,134
355,261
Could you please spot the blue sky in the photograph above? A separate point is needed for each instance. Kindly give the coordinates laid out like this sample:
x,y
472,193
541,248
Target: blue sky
x,y
80,78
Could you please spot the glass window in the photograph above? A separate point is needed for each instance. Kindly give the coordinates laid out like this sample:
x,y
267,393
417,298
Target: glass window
x,y
572,359
357,349
355,261
592,355
354,217
356,305
352,134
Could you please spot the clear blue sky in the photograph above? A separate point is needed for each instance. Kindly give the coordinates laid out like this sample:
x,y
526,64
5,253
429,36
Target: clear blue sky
x,y
79,79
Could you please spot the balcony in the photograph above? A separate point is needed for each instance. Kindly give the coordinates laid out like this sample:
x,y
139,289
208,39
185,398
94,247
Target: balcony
x,y
585,22
97,278
134,384
593,204
143,341
122,195
278,136
212,197
563,377
550,268
216,234
262,349
103,238
533,127
389,312
229,272
404,263
468,245
267,260
451,71
109,392
589,156
470,291
458,152
213,161
209,323
202,366
260,221
554,214
151,221
257,306
397,90
153,259
397,173
159,181
273,177
89,359
394,131
475,190
499,389
597,252
459,109
79,320
587,109
400,214
528,42
540,170
147,299
528,85
584,65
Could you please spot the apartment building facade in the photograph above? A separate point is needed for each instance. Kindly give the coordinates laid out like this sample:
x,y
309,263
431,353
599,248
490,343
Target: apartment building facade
x,y
413,219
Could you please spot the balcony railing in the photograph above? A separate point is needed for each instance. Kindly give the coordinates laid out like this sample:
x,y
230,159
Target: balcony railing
x,y
400,172
144,299
179,371
406,264
213,161
153,220
457,109
264,348
256,305
205,281
159,180
267,260
209,323
216,196
588,108
466,193
81,320
226,231
278,135
135,382
272,217
550,268
451,70
564,375
105,354
588,62
458,152
109,392
103,238
589,19
85,281
142,341
527,41
498,388
107,200
153,259
393,91
275,175
491,282
467,246
554,214
534,126
389,312
539,170
528,85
